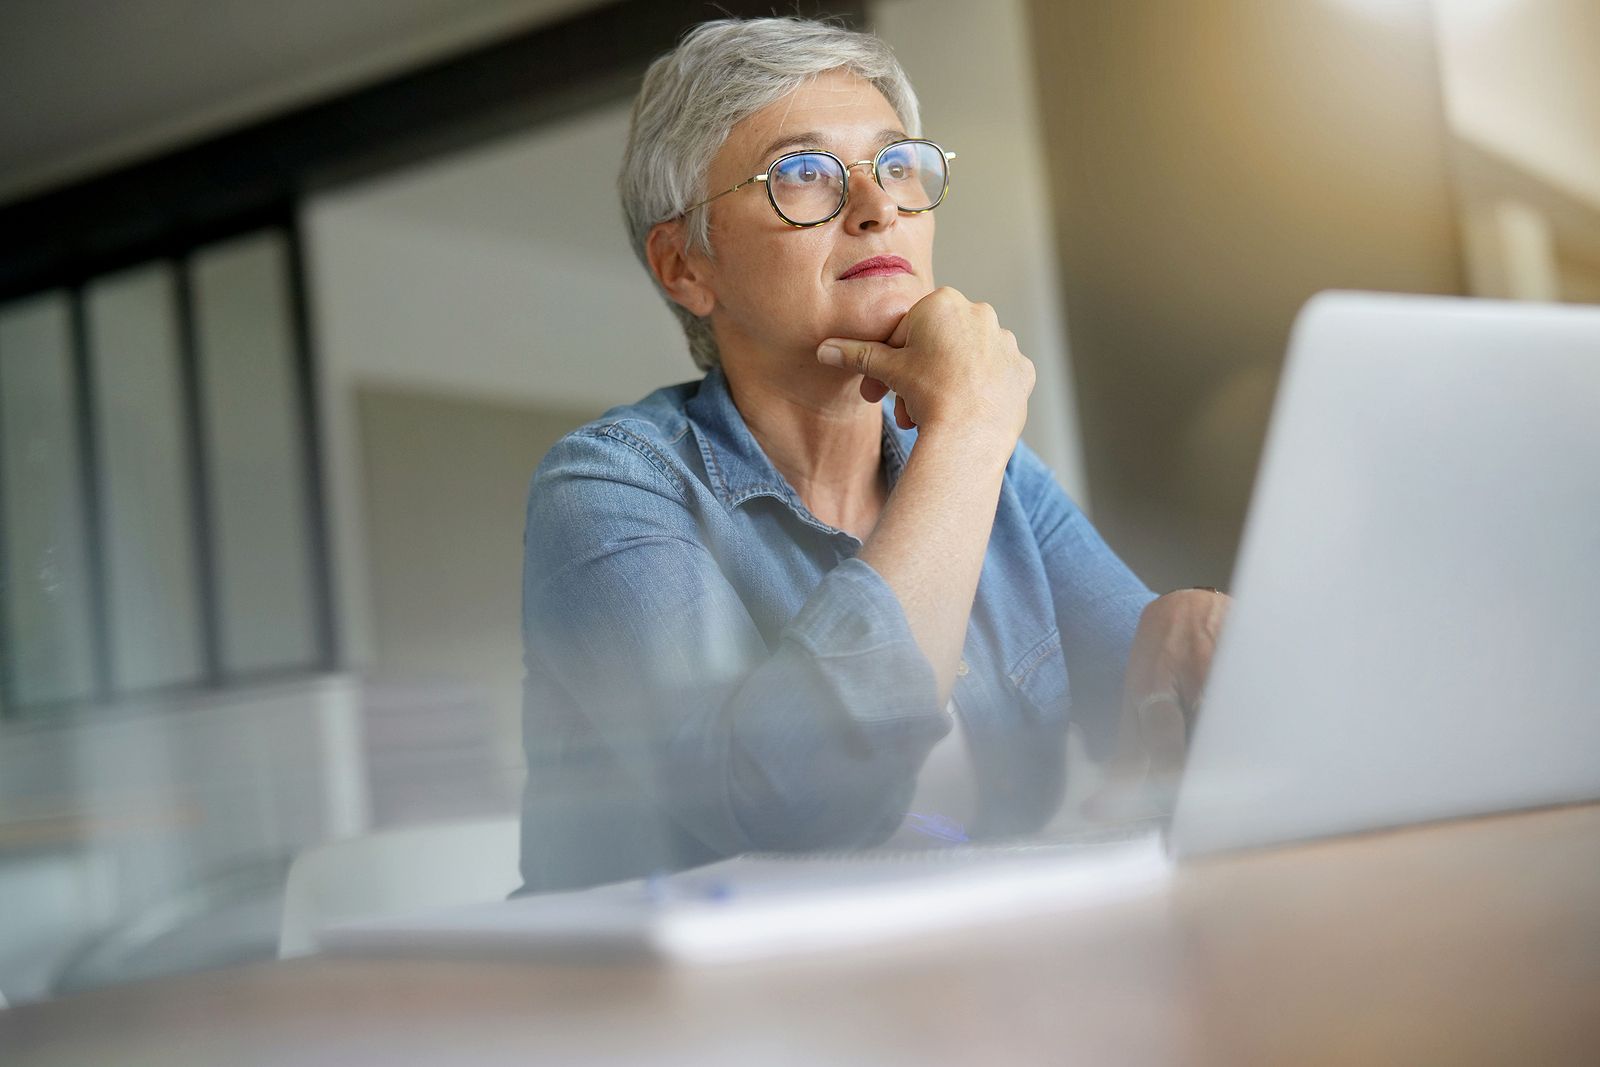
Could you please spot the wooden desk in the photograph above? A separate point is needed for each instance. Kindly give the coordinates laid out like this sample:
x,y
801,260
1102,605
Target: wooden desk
x,y
1465,943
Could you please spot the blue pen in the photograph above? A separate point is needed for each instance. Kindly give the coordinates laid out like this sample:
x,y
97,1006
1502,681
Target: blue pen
x,y
937,826
661,887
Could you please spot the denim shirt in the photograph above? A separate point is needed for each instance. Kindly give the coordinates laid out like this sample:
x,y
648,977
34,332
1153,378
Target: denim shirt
x,y
712,670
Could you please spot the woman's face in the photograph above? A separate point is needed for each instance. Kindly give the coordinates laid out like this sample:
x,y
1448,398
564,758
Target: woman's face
x,y
780,291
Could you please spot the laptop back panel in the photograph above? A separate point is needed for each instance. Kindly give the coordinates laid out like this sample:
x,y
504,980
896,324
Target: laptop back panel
x,y
1416,633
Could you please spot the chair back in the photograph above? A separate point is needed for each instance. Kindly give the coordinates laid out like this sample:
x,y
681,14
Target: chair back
x,y
394,872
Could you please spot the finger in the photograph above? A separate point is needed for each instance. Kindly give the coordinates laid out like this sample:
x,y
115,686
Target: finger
x,y
902,417
1144,676
1192,646
1124,772
1163,733
1216,618
873,390
1205,652
1126,793
900,336
1143,781
863,357
1152,702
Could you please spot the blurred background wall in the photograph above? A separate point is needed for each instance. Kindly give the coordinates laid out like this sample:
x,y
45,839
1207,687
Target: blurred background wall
x,y
1214,165
264,447
1522,88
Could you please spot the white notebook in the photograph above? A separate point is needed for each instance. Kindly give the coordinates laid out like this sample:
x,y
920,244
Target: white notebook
x,y
773,904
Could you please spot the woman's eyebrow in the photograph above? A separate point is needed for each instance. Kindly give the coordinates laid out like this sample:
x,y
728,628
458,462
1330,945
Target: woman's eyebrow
x,y
815,138
809,138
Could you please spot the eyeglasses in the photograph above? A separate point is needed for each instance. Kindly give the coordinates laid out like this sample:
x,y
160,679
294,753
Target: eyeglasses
x,y
810,188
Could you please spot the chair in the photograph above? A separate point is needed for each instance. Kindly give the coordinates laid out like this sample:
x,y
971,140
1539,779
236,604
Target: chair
x,y
392,872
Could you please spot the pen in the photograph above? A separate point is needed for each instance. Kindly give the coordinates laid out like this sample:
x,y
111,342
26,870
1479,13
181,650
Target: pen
x,y
937,826
662,887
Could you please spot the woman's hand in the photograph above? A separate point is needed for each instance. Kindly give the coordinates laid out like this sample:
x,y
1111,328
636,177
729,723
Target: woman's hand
x,y
953,368
1167,672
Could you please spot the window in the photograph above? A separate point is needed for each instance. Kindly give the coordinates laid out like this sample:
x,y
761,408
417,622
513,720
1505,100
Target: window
x,y
158,491
49,652
146,495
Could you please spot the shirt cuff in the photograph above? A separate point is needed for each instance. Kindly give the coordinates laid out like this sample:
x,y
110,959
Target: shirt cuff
x,y
863,643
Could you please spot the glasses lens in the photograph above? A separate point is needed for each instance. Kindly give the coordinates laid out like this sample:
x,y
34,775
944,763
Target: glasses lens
x,y
913,174
807,187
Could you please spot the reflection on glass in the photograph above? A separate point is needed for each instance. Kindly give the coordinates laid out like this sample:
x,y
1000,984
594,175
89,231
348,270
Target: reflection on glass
x,y
47,598
151,586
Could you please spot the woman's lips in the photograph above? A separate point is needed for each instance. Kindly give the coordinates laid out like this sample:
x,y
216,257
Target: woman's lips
x,y
877,267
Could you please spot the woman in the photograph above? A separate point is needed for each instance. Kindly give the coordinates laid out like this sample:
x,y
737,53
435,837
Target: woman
x,y
765,611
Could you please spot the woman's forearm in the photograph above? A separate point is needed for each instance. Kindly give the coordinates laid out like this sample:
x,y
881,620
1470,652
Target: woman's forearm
x,y
959,377
930,542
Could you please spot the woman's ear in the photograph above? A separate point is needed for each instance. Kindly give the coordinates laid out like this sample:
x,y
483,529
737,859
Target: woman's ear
x,y
683,276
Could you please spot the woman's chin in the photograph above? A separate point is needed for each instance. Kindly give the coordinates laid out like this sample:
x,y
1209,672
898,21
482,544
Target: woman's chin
x,y
875,319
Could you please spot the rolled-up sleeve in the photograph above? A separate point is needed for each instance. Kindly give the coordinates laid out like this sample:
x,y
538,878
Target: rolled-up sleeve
x,y
1098,600
812,740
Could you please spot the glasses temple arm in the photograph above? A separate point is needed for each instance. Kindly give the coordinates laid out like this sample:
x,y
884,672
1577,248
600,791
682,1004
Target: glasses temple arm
x,y
725,192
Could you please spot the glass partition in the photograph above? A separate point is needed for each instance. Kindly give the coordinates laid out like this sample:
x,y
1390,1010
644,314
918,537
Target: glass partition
x,y
149,554
256,460
50,651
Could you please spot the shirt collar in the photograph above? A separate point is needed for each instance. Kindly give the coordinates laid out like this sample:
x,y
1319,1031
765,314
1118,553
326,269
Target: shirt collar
x,y
739,470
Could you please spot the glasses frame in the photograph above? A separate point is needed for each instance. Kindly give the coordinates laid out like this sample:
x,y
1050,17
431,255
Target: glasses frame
x,y
847,168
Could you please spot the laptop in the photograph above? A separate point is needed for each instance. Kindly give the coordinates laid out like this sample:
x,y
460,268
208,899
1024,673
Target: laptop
x,y
1415,636
1416,626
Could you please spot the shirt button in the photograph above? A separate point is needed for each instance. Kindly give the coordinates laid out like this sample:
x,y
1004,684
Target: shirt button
x,y
962,669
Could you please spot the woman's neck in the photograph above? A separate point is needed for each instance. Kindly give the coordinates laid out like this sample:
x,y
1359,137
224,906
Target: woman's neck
x,y
823,438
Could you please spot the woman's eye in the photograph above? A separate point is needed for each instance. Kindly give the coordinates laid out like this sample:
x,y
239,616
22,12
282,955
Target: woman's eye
x,y
801,171
897,171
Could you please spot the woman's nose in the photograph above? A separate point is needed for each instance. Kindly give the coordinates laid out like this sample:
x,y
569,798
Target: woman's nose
x,y
868,206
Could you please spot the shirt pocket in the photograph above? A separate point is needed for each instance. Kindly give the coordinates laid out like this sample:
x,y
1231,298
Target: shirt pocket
x,y
1040,678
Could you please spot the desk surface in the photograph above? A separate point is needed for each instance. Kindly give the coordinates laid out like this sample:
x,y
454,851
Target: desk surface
x,y
1463,943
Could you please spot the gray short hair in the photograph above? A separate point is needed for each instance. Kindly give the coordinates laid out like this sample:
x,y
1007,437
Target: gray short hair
x,y
721,73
